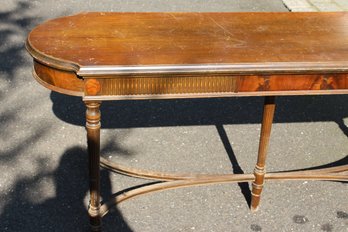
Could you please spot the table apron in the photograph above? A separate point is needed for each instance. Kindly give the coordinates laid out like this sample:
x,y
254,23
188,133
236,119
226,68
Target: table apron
x,y
165,86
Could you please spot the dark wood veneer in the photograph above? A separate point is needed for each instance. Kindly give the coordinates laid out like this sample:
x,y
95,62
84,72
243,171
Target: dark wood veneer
x,y
293,82
62,81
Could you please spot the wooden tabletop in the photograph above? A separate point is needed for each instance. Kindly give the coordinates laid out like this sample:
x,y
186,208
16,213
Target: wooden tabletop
x,y
193,42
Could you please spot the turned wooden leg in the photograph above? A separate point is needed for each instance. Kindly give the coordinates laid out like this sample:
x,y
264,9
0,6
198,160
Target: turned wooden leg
x,y
259,172
93,141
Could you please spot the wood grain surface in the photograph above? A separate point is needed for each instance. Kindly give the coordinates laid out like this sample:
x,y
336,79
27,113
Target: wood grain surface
x,y
113,43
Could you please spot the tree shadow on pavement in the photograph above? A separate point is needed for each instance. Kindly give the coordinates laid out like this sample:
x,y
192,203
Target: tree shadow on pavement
x,y
14,25
30,204
65,211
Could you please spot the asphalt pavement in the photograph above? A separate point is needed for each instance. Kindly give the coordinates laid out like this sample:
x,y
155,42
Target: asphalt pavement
x,y
43,160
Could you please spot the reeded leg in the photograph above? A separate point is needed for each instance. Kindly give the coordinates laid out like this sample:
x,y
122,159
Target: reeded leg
x,y
93,141
259,172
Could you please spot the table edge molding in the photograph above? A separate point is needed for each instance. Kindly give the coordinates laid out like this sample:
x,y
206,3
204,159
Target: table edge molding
x,y
50,60
231,69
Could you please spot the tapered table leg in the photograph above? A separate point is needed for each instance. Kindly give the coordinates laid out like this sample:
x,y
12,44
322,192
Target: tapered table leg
x,y
93,141
259,171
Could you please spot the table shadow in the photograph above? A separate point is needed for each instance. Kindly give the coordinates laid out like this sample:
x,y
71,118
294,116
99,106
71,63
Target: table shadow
x,y
213,111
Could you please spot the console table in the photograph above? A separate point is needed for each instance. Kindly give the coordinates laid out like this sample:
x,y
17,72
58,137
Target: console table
x,y
116,56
